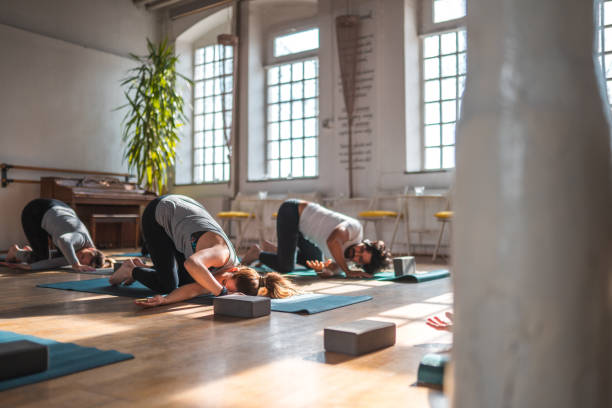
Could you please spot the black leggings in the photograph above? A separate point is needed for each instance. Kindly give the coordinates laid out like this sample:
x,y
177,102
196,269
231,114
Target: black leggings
x,y
168,271
290,241
31,220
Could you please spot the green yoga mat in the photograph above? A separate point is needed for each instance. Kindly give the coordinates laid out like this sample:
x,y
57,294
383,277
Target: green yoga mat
x,y
64,359
307,303
431,369
381,276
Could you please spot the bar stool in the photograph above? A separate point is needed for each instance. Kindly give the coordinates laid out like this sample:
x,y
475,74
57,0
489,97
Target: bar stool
x,y
242,218
378,216
443,217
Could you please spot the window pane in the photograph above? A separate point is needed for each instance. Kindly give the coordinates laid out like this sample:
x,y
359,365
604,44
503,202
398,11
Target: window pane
x,y
310,107
297,128
448,157
297,167
431,46
431,68
432,91
432,135
449,88
228,84
461,85
208,155
285,73
448,43
449,111
208,105
199,56
285,92
208,139
297,90
209,87
198,72
273,131
297,148
208,173
296,42
297,71
273,75
285,130
209,53
448,134
273,168
198,140
285,167
218,105
463,63
198,107
462,40
199,174
199,124
310,146
310,167
608,39
273,113
199,89
218,172
209,70
432,113
297,110
310,69
285,111
199,156
432,158
445,10
449,65
229,66
310,88
219,138
273,152
608,69
310,127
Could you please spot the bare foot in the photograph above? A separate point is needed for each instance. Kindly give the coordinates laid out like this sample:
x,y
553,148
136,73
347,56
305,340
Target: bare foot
x,y
251,255
268,246
123,274
11,256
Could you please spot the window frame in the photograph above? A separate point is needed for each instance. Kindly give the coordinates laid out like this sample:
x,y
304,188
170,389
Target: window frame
x,y
271,62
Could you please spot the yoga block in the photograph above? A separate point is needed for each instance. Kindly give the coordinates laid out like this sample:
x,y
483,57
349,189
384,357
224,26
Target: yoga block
x,y
22,357
359,337
431,369
242,306
404,265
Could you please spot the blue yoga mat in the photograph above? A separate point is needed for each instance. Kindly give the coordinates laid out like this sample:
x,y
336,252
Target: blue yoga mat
x,y
315,303
381,276
308,303
64,359
131,254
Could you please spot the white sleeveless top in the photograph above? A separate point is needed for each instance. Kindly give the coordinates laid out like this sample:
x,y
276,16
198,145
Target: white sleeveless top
x,y
317,224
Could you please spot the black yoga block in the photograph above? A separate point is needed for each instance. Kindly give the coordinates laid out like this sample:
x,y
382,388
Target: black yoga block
x,y
242,306
404,265
359,337
22,357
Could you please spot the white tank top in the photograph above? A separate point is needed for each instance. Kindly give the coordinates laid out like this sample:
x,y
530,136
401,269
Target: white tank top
x,y
317,224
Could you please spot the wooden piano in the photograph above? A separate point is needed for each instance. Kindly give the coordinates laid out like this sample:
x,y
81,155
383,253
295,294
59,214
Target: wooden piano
x,y
110,209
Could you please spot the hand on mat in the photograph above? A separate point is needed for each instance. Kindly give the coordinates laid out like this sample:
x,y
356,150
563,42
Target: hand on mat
x,y
319,268
356,273
78,267
156,300
439,324
23,266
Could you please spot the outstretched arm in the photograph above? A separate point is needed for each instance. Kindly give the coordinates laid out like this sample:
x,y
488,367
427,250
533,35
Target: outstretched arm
x,y
179,294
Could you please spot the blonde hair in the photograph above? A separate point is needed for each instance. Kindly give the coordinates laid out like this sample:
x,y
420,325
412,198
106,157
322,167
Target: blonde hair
x,y
273,284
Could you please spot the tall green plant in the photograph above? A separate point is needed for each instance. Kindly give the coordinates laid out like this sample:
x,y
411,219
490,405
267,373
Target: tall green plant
x,y
155,113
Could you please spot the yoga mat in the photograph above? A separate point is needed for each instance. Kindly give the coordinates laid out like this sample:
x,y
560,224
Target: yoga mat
x,y
64,359
385,276
315,303
136,254
431,369
307,303
99,271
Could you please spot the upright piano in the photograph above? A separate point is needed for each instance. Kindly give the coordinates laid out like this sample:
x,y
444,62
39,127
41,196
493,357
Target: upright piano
x,y
110,208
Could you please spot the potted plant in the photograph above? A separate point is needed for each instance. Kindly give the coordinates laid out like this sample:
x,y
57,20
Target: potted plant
x,y
154,115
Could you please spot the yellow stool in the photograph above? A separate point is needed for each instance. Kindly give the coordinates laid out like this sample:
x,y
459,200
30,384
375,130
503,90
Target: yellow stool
x,y
443,217
378,216
243,219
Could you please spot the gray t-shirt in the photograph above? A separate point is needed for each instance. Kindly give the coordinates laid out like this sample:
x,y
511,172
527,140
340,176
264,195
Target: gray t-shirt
x,y
67,231
181,217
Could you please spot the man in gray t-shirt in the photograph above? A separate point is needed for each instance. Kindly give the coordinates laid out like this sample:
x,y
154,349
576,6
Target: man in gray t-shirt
x,y
44,218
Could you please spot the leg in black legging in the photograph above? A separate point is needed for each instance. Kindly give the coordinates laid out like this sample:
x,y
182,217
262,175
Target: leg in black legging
x,y
287,233
164,276
307,251
31,220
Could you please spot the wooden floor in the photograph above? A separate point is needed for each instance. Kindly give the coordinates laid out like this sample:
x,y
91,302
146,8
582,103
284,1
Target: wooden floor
x,y
186,357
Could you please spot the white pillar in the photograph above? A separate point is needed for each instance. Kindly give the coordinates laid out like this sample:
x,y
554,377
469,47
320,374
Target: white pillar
x,y
532,231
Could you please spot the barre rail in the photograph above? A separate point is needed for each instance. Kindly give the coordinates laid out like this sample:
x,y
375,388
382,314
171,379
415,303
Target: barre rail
x,y
5,167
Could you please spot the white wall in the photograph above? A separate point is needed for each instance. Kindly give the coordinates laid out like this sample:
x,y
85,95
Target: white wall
x,y
62,63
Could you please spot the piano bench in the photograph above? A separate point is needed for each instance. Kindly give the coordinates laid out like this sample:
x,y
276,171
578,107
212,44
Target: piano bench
x,y
124,219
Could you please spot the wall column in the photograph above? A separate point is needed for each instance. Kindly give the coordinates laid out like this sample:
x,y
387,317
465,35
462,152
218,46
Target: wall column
x,y
532,232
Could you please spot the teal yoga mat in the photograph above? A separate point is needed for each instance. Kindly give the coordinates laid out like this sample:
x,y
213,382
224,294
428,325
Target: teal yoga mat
x,y
307,303
131,254
64,359
381,276
431,369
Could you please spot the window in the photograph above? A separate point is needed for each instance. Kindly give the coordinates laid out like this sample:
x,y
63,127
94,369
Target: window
x,y
605,42
446,10
292,102
212,113
444,69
